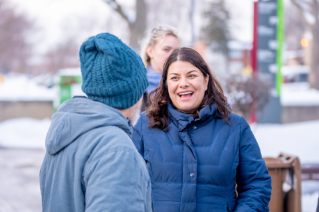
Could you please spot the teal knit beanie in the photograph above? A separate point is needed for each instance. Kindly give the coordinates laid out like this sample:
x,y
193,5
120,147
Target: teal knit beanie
x,y
112,72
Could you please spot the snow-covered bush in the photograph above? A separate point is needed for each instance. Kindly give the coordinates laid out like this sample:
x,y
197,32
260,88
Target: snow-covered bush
x,y
247,93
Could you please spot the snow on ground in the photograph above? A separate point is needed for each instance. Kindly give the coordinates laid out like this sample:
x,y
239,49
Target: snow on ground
x,y
19,87
309,195
309,202
24,133
300,139
299,94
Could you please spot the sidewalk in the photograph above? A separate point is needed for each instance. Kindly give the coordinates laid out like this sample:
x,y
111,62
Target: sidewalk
x,y
19,180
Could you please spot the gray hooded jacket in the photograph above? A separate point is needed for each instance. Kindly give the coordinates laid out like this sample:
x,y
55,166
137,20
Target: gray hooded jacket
x,y
91,163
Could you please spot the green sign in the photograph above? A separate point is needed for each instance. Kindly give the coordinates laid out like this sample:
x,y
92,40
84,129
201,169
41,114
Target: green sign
x,y
66,83
280,39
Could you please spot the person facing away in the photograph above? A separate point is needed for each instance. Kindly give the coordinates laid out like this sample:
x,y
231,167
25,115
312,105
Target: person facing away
x,y
91,163
155,49
196,149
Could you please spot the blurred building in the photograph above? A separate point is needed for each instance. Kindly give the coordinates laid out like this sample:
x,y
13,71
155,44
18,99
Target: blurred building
x,y
238,61
25,96
239,56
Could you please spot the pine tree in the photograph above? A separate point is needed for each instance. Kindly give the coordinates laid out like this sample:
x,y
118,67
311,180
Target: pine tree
x,y
216,32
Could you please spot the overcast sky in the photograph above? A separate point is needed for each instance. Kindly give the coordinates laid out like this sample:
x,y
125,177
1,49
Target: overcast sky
x,y
51,17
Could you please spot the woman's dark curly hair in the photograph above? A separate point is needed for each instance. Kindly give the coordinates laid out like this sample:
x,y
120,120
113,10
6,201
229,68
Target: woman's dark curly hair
x,y
159,98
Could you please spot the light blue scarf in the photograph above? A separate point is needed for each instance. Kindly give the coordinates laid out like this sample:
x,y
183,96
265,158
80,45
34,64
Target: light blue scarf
x,y
153,78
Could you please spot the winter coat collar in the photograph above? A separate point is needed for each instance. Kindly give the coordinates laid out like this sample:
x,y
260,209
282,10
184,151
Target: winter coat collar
x,y
182,120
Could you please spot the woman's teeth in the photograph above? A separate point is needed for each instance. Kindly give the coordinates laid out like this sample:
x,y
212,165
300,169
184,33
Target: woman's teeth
x,y
186,93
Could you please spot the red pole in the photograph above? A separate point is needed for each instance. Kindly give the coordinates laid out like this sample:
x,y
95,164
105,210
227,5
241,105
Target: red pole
x,y
253,115
255,39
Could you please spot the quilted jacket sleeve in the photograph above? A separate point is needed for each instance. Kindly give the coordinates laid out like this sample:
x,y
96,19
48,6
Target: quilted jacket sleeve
x,y
253,181
137,137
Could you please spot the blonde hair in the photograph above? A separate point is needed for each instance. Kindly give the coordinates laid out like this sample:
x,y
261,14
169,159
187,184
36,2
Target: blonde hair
x,y
156,34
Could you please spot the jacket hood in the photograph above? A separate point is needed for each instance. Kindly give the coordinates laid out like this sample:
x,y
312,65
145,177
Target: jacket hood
x,y
78,116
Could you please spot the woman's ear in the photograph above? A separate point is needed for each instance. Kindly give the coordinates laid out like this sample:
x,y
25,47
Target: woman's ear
x,y
149,51
206,81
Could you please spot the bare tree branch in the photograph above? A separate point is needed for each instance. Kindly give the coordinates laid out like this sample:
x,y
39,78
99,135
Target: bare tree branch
x,y
302,13
115,6
316,9
15,50
307,5
313,77
136,27
294,28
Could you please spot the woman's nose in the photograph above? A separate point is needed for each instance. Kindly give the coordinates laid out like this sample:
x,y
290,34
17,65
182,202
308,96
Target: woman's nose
x,y
184,82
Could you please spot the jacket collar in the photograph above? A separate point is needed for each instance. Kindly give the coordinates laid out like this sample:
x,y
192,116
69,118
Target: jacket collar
x,y
182,120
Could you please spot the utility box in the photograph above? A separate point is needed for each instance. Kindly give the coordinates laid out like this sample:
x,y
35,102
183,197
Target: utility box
x,y
285,172
69,82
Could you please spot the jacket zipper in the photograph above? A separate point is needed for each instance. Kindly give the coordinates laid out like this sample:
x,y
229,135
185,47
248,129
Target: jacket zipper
x,y
228,208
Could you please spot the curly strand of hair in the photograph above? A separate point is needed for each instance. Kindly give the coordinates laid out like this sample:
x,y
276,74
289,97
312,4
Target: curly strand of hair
x,y
157,112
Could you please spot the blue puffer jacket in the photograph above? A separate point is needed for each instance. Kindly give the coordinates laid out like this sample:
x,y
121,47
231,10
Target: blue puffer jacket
x,y
195,164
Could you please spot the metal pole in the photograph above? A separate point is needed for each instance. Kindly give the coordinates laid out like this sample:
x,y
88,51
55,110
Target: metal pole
x,y
255,40
192,22
254,63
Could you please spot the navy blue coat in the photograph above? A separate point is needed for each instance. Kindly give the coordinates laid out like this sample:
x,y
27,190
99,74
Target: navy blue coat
x,y
195,164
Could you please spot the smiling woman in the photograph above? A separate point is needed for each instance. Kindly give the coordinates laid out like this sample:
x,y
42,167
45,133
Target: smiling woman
x,y
186,86
185,71
195,148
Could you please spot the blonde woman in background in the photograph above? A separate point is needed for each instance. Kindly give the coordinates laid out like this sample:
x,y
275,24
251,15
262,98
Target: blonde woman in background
x,y
156,48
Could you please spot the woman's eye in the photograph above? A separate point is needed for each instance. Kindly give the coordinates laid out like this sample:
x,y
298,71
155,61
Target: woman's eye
x,y
174,78
167,50
192,76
